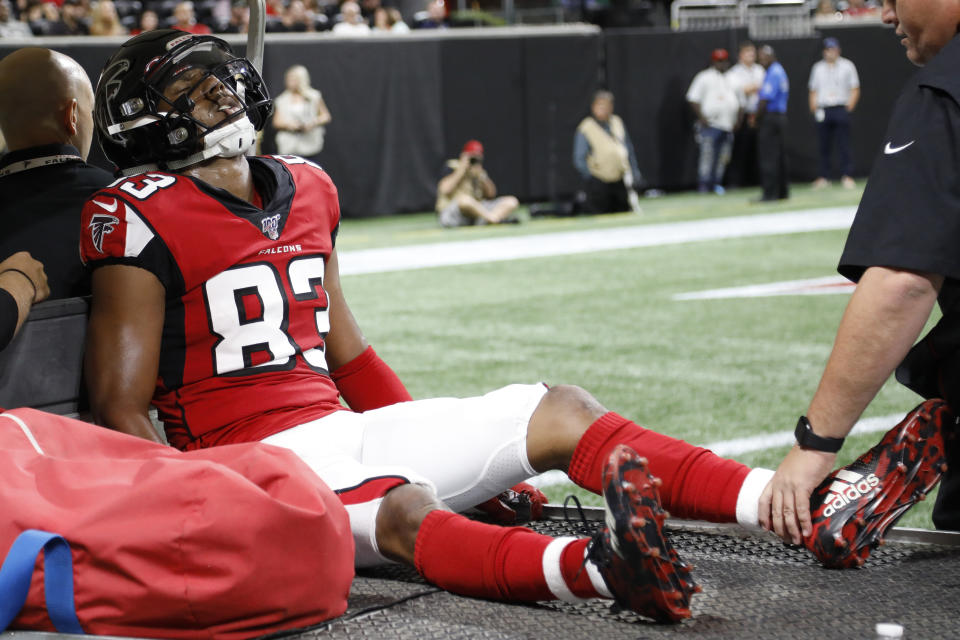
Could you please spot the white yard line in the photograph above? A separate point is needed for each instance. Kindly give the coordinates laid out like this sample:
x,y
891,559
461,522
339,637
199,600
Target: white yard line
x,y
738,446
445,254
811,287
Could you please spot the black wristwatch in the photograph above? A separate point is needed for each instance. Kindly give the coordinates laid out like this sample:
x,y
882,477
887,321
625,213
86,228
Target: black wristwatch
x,y
807,439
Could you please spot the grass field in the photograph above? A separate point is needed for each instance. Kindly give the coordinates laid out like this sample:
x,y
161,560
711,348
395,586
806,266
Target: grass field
x,y
701,370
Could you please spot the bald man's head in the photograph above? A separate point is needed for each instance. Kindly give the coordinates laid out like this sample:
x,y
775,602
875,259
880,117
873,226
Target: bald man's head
x,y
45,98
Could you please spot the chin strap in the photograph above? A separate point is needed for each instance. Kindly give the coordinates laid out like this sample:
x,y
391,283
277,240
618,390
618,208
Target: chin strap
x,y
229,141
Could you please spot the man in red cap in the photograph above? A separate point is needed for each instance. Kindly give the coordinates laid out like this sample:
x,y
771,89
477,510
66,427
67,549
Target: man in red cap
x,y
467,196
715,104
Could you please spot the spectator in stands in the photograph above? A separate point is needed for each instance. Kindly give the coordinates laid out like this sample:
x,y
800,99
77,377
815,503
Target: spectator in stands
x,y
10,27
862,10
105,21
295,18
239,18
46,103
300,115
22,284
717,109
368,8
351,23
275,8
772,127
389,20
745,77
603,156
436,16
467,196
185,19
834,92
74,20
42,17
826,13
148,22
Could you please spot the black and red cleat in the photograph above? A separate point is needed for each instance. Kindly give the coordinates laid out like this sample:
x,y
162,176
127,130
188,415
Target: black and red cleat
x,y
854,506
637,562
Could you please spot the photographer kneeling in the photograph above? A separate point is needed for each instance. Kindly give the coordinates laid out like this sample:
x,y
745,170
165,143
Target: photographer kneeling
x,y
466,195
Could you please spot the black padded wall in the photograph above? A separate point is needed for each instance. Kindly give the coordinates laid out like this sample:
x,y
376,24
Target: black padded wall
x,y
401,106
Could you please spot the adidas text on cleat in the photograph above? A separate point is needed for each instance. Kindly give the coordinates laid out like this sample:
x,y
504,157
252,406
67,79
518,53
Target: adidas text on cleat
x,y
638,564
855,505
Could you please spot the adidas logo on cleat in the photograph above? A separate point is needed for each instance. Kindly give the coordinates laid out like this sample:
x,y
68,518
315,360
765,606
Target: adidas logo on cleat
x,y
846,488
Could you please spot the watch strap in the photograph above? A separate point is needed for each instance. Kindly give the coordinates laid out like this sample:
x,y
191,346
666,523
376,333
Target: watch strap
x,y
807,439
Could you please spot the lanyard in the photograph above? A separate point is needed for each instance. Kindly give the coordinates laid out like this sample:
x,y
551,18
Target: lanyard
x,y
32,163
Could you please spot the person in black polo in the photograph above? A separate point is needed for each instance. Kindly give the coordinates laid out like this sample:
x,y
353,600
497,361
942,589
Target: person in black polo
x,y
46,104
903,252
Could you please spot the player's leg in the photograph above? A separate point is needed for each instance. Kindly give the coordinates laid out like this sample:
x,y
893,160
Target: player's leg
x,y
474,448
395,514
571,430
629,560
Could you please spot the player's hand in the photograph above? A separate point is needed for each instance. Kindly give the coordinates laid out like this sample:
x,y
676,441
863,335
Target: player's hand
x,y
23,262
465,159
785,502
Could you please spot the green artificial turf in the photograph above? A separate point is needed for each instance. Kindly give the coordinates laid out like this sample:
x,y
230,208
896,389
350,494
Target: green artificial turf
x,y
701,370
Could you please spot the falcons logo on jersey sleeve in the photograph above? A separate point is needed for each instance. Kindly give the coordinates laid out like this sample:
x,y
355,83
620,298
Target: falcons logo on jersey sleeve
x,y
114,229
100,225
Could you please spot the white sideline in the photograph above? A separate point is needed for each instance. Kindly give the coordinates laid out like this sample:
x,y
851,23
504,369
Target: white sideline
x,y
443,254
737,446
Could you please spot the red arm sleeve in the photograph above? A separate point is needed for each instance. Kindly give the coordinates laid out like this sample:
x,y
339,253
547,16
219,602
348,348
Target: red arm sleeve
x,y
367,382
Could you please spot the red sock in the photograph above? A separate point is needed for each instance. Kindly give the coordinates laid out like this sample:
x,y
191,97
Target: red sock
x,y
697,483
500,563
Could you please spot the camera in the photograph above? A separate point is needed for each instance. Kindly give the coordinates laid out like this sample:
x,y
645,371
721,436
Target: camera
x,y
474,159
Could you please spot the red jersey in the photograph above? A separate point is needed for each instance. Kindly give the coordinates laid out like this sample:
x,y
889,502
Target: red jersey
x,y
242,355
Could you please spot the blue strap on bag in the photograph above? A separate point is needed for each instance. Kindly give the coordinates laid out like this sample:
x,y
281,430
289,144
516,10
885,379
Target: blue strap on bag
x,y
17,570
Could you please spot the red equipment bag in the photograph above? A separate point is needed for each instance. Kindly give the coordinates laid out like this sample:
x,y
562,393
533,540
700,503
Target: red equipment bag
x,y
230,542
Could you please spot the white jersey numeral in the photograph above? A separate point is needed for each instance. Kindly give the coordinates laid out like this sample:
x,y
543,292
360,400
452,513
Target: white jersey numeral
x,y
149,184
249,313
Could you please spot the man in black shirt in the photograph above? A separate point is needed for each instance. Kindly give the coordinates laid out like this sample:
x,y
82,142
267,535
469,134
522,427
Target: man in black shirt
x,y
46,104
903,252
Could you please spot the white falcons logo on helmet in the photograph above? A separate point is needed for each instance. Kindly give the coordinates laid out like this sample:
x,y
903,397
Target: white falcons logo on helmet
x,y
100,225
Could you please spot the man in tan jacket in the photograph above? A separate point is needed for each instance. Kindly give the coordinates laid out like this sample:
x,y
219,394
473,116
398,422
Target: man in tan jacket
x,y
604,157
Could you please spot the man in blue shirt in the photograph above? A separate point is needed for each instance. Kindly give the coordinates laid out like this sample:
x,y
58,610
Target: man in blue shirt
x,y
772,126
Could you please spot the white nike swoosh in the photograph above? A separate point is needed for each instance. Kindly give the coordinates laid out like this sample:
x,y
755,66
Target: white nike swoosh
x,y
892,150
111,208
